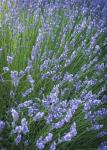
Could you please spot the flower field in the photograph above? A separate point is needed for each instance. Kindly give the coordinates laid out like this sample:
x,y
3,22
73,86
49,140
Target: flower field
x,y
53,74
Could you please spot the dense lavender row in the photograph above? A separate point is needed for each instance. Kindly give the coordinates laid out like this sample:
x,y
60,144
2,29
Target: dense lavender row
x,y
53,74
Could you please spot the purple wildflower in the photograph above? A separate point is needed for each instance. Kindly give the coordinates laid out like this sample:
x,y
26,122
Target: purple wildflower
x,y
12,93
24,121
1,49
25,129
27,92
25,104
15,115
2,125
40,144
58,124
18,139
24,126
48,138
70,135
29,66
103,146
68,77
17,129
5,69
9,59
97,126
15,78
101,134
30,79
53,146
100,67
38,116
21,73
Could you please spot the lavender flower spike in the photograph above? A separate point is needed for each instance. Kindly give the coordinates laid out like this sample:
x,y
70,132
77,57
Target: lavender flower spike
x,y
9,59
2,125
15,115
70,135
18,139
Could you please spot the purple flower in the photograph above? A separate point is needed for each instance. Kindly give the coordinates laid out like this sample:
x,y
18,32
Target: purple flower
x,y
30,79
53,146
104,99
101,134
27,69
68,77
38,116
45,66
103,146
5,69
67,62
2,125
1,49
77,86
46,75
48,138
24,126
70,135
15,78
9,59
12,94
40,144
29,66
58,124
68,116
30,111
27,92
23,121
17,129
21,73
100,67
25,129
97,126
25,104
67,137
15,115
49,118
52,99
18,139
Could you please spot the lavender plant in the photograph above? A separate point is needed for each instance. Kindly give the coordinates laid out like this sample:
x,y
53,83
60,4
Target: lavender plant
x,y
53,74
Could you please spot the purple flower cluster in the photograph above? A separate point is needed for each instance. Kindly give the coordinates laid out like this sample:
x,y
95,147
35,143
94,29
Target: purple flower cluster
x,y
60,76
9,59
70,135
15,115
20,130
40,143
2,125
15,78
103,146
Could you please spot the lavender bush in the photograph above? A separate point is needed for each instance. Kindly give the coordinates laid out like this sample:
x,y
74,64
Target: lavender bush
x,y
53,74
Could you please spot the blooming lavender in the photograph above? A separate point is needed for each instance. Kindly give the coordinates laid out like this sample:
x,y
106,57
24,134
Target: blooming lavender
x,y
9,59
5,69
27,92
53,146
103,146
18,139
2,125
70,135
15,115
14,77
53,65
